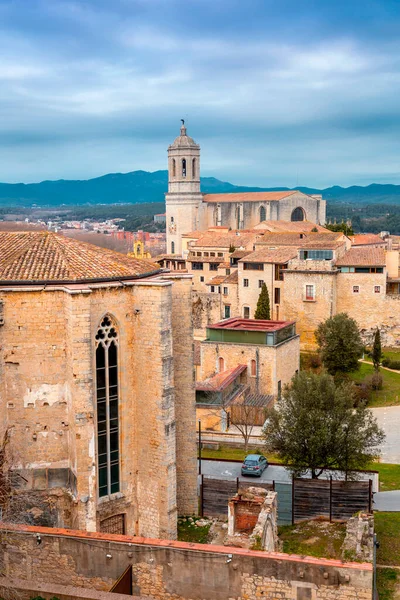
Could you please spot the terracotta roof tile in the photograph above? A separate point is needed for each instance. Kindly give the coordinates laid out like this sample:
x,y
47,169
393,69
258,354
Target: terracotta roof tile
x,y
248,196
366,239
220,381
44,256
289,226
363,257
279,255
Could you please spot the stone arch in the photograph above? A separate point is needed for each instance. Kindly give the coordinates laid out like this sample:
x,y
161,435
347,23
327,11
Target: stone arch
x,y
173,167
263,214
183,167
298,214
193,168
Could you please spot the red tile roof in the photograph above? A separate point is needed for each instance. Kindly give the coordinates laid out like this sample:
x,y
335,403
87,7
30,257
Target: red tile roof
x,y
279,255
247,196
220,381
363,257
287,226
238,324
366,239
31,257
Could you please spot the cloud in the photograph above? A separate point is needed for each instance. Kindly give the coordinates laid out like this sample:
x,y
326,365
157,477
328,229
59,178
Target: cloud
x,y
89,87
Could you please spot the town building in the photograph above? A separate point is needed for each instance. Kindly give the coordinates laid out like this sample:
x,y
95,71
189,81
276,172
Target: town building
x,y
96,386
244,364
188,209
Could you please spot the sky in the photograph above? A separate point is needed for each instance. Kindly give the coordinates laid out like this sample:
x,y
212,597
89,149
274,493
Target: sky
x,y
276,92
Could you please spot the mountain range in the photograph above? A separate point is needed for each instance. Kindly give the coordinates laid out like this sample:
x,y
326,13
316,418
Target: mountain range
x,y
142,186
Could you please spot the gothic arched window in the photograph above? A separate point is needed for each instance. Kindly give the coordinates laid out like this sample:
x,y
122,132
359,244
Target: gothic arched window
x,y
193,168
263,214
253,368
298,214
221,364
107,407
183,167
173,167
172,247
238,218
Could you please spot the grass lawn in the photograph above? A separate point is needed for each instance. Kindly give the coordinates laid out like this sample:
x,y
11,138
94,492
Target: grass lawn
x,y
389,476
386,580
391,353
389,395
387,528
226,452
313,538
189,532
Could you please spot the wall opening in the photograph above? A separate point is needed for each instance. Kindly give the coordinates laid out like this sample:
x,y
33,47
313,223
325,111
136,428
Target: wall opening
x,y
298,214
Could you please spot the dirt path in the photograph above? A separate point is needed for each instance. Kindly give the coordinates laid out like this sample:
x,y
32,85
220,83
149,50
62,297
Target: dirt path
x,y
367,362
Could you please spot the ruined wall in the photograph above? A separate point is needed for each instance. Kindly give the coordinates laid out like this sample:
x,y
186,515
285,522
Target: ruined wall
x,y
96,561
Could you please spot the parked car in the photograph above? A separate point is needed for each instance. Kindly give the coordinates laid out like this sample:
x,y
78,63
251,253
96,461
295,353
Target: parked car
x,y
254,464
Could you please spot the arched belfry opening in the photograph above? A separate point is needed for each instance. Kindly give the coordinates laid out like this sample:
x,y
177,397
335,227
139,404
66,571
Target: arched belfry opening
x,y
194,168
298,214
107,398
183,167
173,167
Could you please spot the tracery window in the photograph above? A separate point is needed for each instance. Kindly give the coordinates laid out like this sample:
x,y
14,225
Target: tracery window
x,y
107,407
263,214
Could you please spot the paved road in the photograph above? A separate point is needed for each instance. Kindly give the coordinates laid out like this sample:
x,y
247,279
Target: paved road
x,y
218,468
388,418
387,501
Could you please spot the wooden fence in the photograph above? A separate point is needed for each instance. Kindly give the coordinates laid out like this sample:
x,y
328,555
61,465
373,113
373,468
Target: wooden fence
x,y
335,500
216,493
310,498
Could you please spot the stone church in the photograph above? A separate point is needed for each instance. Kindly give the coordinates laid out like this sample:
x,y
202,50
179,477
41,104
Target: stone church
x,y
188,209
96,386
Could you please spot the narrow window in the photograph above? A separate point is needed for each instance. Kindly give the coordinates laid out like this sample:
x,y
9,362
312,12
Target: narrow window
x,y
245,283
225,291
253,368
107,407
246,312
310,292
202,279
227,311
377,289
262,214
212,288
277,295
238,217
172,219
221,364
173,168
183,167
279,390
356,289
172,247
194,168
260,283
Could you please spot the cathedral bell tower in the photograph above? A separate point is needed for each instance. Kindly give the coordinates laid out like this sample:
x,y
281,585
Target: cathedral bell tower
x,y
183,198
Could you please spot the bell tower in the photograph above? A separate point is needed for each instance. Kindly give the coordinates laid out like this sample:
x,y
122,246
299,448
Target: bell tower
x,y
184,197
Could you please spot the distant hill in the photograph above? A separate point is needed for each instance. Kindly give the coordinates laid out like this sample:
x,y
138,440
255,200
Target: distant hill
x,y
142,186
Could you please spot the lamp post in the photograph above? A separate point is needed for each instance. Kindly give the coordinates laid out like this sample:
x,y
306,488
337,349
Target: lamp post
x,y
199,447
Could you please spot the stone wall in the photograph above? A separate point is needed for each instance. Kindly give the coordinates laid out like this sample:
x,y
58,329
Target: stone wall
x,y
47,395
206,310
275,363
175,570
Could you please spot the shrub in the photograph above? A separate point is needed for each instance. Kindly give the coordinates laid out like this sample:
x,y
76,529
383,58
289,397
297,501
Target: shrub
x,y
315,361
393,364
362,393
376,381
386,362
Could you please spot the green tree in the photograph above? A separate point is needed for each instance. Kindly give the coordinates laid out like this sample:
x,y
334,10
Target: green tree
x,y
340,344
376,353
344,227
263,310
231,248
316,427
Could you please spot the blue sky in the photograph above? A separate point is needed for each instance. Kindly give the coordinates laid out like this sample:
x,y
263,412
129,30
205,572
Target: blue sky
x,y
277,92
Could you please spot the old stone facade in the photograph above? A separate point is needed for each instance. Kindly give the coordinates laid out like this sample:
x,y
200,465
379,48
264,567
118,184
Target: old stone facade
x,y
187,209
100,447
64,559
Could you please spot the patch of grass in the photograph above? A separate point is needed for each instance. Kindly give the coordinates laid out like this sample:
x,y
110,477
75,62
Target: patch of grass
x,y
391,353
386,580
389,395
387,528
313,538
389,476
228,453
189,532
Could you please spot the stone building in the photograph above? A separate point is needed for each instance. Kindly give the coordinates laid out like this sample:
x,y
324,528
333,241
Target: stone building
x,y
96,386
188,209
244,363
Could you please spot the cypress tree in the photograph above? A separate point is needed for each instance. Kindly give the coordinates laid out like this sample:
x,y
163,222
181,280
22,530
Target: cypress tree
x,y
377,350
263,308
